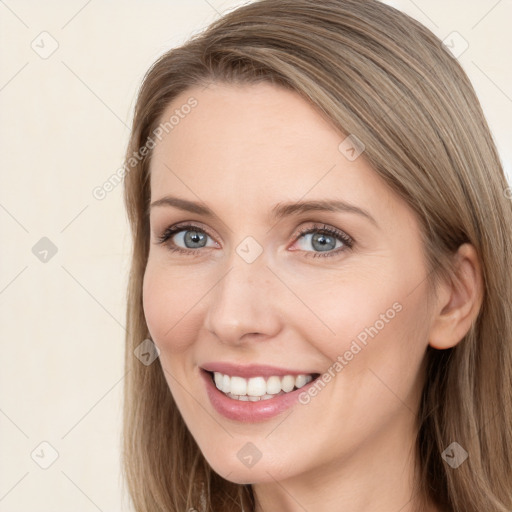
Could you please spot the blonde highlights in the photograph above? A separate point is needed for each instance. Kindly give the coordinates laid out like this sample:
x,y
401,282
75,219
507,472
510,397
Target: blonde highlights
x,y
374,72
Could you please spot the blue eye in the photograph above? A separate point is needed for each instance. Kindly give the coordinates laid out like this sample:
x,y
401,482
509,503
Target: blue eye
x,y
189,235
323,238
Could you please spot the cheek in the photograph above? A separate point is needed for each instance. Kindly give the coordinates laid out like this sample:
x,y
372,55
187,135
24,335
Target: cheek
x,y
171,306
365,320
345,308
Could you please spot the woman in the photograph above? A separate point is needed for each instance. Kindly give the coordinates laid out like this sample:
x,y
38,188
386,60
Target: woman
x,y
321,261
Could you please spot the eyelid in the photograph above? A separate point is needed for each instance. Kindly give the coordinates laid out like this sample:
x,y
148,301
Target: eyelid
x,y
181,226
325,228
347,240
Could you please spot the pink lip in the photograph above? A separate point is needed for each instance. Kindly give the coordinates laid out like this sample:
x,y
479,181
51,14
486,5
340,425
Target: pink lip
x,y
251,370
250,412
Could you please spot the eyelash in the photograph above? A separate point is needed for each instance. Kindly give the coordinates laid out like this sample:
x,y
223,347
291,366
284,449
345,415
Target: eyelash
x,y
325,230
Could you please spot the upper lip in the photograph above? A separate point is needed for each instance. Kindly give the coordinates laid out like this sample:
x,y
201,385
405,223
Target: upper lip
x,y
251,370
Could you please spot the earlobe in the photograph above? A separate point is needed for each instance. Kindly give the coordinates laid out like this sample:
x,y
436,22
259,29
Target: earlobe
x,y
460,305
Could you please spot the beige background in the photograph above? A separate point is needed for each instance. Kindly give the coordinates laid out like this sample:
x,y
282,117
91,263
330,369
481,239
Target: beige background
x,y
64,126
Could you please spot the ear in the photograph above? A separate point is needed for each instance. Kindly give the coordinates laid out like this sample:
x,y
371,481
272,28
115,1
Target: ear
x,y
459,301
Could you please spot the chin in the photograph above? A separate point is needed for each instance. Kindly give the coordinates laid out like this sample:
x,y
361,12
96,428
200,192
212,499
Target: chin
x,y
235,471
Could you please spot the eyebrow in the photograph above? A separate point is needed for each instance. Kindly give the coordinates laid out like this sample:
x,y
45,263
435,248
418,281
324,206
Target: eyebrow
x,y
279,211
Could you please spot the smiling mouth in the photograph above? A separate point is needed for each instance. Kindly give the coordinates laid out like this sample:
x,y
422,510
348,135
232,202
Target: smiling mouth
x,y
255,389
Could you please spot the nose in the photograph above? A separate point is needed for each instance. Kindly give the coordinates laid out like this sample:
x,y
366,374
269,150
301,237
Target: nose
x,y
244,305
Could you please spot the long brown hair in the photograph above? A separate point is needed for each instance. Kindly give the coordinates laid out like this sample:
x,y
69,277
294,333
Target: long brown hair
x,y
374,72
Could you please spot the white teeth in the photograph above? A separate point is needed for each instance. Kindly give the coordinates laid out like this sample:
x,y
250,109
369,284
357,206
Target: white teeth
x,y
257,388
238,386
287,383
248,398
301,380
226,384
273,385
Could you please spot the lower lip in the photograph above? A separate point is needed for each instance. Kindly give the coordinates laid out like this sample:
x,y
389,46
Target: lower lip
x,y
246,411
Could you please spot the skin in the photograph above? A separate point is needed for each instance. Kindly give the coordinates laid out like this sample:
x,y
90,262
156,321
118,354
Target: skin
x,y
242,150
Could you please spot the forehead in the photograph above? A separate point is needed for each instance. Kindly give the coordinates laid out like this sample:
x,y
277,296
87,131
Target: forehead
x,y
242,124
256,145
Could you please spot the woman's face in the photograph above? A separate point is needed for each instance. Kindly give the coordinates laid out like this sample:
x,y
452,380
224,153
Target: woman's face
x,y
257,282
